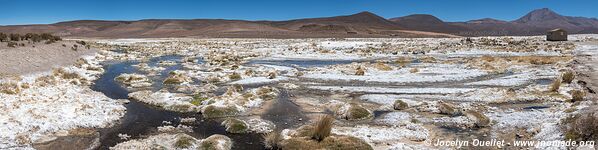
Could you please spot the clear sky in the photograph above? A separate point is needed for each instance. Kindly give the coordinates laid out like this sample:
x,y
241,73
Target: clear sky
x,y
14,12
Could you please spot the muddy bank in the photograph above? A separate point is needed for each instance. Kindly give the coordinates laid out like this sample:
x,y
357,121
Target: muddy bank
x,y
39,57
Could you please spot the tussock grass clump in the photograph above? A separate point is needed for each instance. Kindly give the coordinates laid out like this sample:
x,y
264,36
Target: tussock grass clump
x,y
336,142
235,76
403,61
577,95
323,128
212,111
357,112
414,70
319,136
400,105
271,140
198,99
216,142
46,80
234,125
184,141
488,58
360,71
66,74
480,119
271,75
267,93
10,87
427,59
448,109
382,66
556,84
568,77
581,127
176,78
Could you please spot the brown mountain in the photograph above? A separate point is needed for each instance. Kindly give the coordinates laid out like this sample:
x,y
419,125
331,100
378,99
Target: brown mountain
x,y
424,22
364,24
537,22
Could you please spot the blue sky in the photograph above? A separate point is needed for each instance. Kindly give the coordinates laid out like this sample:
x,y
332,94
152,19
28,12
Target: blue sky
x,y
14,12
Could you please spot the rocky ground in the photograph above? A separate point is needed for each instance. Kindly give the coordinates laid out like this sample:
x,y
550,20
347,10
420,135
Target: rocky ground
x,y
381,93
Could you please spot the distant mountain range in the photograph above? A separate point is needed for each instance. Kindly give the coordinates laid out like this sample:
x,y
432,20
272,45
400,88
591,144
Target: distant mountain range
x,y
364,24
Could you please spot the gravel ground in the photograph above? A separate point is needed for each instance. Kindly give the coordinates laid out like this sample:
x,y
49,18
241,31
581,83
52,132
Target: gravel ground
x,y
38,57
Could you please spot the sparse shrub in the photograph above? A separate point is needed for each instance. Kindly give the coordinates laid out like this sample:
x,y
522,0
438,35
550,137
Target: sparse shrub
x,y
568,77
323,128
15,37
35,37
81,42
12,44
271,140
577,95
75,47
50,37
184,141
63,45
400,105
581,127
3,37
49,42
556,84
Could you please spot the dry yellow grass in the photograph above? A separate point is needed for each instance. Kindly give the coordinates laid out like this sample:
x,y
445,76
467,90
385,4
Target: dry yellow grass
x,y
414,70
323,128
577,95
556,84
568,77
271,140
581,127
10,87
382,66
360,71
403,61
